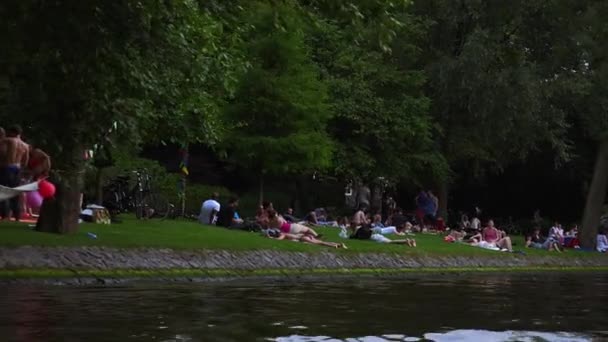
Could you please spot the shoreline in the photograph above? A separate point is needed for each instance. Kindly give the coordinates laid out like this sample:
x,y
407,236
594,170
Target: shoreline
x,y
178,276
101,265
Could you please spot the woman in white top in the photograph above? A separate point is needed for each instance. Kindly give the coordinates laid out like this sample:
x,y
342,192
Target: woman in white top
x,y
475,223
602,242
557,233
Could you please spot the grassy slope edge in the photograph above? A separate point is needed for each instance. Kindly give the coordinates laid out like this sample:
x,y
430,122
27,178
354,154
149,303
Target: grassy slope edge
x,y
186,235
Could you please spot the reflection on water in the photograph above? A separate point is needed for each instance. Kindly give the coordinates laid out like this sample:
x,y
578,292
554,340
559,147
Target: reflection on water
x,y
452,336
544,307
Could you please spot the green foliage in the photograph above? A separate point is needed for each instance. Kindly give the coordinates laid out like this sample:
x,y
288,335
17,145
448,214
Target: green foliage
x,y
381,122
163,182
490,101
279,113
159,69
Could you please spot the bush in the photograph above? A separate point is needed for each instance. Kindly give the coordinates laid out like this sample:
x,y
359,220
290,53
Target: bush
x,y
167,184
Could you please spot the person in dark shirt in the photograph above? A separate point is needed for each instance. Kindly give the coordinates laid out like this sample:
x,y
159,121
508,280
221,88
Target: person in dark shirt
x,y
538,241
226,217
535,240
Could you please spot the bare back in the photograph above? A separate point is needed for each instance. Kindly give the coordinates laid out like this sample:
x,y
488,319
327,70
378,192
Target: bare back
x,y
17,152
39,163
7,148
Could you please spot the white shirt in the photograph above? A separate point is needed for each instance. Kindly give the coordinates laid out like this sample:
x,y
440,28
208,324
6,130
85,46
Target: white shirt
x,y
556,232
385,230
602,243
475,223
206,209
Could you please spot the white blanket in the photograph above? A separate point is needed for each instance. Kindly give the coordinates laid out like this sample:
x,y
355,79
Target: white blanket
x,y
7,193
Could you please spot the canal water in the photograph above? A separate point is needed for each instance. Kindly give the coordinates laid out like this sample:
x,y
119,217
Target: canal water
x,y
469,307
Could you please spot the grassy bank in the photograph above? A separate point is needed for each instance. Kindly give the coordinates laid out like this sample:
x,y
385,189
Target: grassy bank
x,y
207,273
186,235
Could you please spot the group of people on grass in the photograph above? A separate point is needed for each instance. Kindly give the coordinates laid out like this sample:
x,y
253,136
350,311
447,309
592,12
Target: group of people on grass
x,y
363,225
557,239
20,163
268,221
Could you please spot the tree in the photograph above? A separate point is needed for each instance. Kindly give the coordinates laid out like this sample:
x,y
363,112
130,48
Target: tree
x,y
157,68
280,113
567,41
489,99
593,35
381,123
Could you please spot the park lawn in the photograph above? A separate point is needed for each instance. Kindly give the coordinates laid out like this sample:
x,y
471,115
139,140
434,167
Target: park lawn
x,y
188,235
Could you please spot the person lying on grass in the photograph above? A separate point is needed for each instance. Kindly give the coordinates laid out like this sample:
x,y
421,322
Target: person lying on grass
x,y
456,235
276,221
379,228
279,235
366,233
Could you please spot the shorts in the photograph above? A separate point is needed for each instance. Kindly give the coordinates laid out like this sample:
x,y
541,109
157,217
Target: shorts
x,y
537,245
380,238
487,245
296,228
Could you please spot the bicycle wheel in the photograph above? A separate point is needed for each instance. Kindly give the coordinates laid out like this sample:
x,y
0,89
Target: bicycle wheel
x,y
156,205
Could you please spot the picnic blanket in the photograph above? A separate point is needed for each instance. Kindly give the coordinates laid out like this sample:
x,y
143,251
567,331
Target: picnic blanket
x,y
7,193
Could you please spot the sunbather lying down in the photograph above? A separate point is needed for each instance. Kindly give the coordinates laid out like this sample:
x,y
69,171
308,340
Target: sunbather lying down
x,y
306,238
383,239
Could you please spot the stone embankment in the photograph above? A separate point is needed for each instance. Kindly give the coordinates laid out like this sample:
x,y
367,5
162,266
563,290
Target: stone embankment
x,y
108,259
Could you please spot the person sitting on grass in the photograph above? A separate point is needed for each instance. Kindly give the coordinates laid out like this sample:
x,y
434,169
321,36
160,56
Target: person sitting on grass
x,y
289,216
344,222
536,240
261,217
492,238
319,217
279,235
475,225
276,221
359,219
557,233
209,210
571,238
226,217
602,241
573,232
464,223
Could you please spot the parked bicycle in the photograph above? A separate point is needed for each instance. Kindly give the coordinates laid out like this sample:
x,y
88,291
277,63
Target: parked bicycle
x,y
135,194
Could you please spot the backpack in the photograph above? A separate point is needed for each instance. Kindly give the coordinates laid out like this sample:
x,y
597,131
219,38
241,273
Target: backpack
x,y
363,233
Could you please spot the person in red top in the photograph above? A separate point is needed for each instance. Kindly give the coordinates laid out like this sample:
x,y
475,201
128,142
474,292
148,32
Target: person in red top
x,y
492,237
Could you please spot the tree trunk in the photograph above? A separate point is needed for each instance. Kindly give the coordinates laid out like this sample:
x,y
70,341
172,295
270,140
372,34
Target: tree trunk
x,y
298,205
443,192
261,188
60,214
99,186
595,198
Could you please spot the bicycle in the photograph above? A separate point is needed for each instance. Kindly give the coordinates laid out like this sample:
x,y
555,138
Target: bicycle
x,y
141,198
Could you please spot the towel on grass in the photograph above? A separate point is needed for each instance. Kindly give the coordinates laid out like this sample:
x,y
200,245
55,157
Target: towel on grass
x,y
8,193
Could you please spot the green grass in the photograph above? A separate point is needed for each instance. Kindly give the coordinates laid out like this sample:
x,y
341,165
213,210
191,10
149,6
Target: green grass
x,y
228,273
193,236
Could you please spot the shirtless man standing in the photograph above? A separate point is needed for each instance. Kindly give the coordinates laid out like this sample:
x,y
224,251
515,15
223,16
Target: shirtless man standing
x,y
14,155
